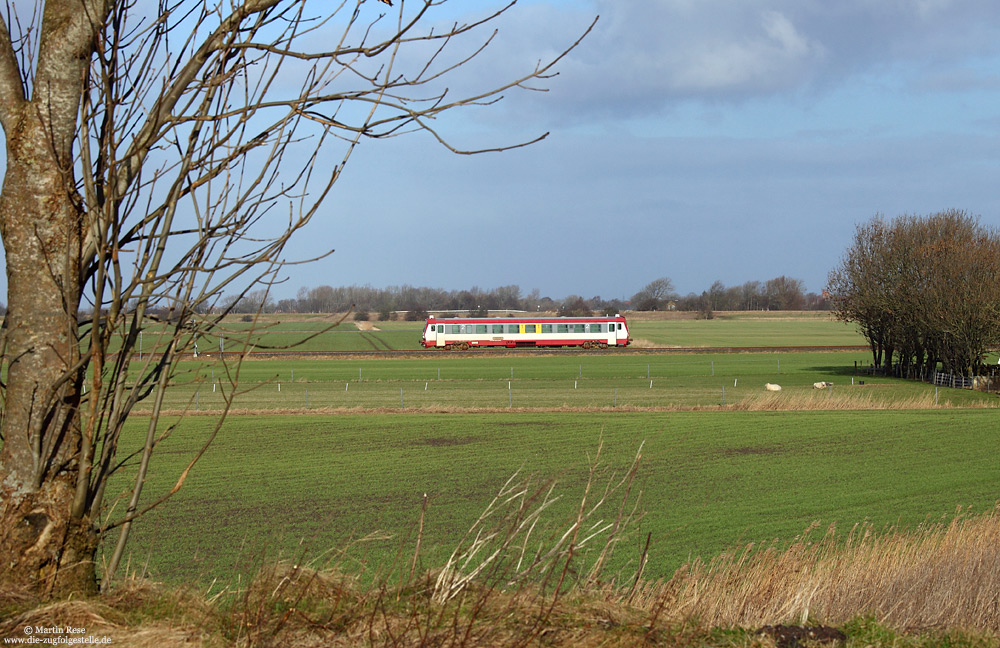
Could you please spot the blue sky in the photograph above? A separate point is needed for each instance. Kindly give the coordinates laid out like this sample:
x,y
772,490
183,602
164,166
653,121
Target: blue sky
x,y
700,140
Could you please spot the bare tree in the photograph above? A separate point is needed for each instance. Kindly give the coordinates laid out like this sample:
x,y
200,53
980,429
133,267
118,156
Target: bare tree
x,y
654,295
158,155
785,293
924,291
575,306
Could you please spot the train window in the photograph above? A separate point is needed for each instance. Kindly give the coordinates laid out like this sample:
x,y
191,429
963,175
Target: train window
x,y
595,328
498,328
546,328
579,328
480,328
454,328
512,328
562,328
619,326
440,328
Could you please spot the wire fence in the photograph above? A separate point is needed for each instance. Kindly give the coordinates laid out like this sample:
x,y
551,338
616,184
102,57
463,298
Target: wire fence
x,y
432,395
982,383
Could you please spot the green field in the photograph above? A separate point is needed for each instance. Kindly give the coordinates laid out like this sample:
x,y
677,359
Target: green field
x,y
306,485
434,382
320,451
747,330
313,333
301,335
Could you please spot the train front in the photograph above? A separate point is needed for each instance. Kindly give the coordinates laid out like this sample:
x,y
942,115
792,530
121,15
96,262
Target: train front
x,y
429,338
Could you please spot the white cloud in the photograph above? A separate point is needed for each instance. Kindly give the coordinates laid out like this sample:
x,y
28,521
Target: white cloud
x,y
775,55
646,56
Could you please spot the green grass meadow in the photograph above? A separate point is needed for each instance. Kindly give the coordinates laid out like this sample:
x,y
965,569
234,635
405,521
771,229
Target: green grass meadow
x,y
320,452
304,486
442,381
306,333
747,330
299,335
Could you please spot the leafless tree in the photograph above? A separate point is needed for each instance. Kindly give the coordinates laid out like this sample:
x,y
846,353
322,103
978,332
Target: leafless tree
x,y
785,293
159,154
575,306
654,295
924,291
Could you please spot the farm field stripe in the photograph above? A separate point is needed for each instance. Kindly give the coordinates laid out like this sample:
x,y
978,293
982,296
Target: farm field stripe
x,y
709,480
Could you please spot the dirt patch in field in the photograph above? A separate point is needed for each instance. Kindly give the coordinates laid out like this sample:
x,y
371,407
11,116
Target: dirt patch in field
x,y
366,326
444,442
539,424
753,450
803,636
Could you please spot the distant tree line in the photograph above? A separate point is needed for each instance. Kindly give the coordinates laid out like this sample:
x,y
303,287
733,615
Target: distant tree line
x,y
781,293
924,291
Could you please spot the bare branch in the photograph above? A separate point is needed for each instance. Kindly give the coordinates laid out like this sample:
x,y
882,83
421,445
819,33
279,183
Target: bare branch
x,y
175,150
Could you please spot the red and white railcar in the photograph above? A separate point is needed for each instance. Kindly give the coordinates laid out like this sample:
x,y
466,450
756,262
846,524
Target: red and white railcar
x,y
511,332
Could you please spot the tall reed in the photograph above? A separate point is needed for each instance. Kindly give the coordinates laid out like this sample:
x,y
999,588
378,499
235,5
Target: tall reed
x,y
940,575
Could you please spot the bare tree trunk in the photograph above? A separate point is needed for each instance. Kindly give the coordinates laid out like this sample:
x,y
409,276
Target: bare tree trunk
x,y
43,548
41,425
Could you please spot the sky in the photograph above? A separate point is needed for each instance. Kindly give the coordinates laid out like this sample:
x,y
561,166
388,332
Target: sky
x,y
700,140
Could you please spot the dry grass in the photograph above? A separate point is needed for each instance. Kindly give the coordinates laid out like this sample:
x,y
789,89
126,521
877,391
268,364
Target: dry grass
x,y
842,399
785,401
140,615
939,576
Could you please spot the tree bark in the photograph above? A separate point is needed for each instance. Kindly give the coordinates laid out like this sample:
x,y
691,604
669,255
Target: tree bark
x,y
44,549
41,230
